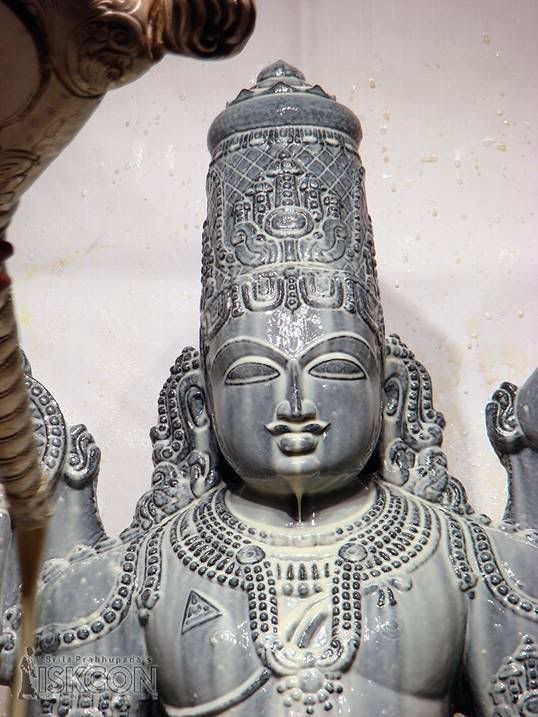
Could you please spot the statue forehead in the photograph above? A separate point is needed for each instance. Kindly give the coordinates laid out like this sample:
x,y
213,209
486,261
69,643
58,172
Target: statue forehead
x,y
292,332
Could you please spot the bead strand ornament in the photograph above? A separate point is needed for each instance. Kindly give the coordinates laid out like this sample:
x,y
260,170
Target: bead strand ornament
x,y
457,550
307,675
502,587
50,638
393,534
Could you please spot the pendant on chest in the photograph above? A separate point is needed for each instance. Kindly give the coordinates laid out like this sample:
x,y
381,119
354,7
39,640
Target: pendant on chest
x,y
304,604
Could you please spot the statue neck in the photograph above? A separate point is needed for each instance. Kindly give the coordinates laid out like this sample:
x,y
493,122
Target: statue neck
x,y
316,510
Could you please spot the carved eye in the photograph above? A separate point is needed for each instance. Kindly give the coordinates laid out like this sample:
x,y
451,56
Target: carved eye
x,y
339,369
251,372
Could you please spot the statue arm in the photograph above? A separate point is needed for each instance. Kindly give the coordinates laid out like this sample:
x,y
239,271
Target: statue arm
x,y
501,650
75,520
71,460
512,423
75,523
499,672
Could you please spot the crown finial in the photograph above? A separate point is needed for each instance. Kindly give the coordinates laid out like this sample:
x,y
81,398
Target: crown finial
x,y
280,78
279,69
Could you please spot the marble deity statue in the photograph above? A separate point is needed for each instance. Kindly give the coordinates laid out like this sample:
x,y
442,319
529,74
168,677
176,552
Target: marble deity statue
x,y
303,548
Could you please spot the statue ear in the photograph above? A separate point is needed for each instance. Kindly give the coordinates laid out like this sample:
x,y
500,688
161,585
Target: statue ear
x,y
185,453
195,405
409,415
201,462
413,431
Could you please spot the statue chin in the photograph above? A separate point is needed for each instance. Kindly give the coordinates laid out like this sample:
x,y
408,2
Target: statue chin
x,y
282,470
295,476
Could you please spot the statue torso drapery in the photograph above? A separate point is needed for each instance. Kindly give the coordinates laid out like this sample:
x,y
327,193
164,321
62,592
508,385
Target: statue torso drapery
x,y
343,610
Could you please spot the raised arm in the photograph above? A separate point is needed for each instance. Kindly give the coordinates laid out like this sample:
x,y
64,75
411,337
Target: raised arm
x,y
71,459
500,673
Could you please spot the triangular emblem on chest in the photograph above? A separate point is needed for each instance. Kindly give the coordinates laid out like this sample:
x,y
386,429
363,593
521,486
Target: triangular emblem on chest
x,y
198,611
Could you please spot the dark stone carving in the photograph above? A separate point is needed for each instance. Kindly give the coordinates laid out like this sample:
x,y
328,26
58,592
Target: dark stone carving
x,y
512,424
413,431
303,547
514,689
50,432
199,610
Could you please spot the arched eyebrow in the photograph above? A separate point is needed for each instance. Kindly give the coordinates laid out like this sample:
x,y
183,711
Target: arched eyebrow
x,y
344,342
349,343
241,345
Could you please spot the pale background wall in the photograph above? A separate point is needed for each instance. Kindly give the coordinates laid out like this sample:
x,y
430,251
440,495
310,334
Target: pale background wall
x,y
108,241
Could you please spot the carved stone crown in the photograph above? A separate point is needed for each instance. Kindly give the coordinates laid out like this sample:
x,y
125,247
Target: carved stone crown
x,y
283,97
287,218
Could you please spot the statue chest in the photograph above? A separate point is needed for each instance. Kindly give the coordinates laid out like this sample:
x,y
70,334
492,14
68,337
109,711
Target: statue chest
x,y
304,627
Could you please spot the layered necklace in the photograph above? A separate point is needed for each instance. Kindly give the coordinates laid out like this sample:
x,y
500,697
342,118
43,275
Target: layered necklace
x,y
393,534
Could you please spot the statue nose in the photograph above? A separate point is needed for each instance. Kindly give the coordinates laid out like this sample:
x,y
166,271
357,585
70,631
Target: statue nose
x,y
295,407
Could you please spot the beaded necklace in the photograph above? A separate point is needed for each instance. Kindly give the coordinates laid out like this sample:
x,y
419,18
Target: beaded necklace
x,y
393,533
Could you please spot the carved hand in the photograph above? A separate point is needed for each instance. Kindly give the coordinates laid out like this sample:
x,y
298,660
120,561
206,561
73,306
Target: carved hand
x,y
512,424
527,410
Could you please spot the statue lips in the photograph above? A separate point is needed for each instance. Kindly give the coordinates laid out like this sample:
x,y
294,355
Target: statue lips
x,y
297,439
293,444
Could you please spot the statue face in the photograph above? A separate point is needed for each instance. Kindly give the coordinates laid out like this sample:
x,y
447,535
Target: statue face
x,y
295,398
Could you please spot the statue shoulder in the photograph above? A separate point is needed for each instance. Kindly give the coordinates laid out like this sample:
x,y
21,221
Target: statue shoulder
x,y
449,530
87,594
502,630
506,561
84,571
499,558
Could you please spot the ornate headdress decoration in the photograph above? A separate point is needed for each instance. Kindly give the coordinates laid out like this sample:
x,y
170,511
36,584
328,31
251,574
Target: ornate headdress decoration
x,y
287,220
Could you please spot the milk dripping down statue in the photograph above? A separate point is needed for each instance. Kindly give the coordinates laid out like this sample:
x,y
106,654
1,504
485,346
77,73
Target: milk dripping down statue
x,y
303,548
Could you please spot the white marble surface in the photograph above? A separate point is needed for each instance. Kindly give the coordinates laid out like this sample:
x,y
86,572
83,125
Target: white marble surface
x,y
108,241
